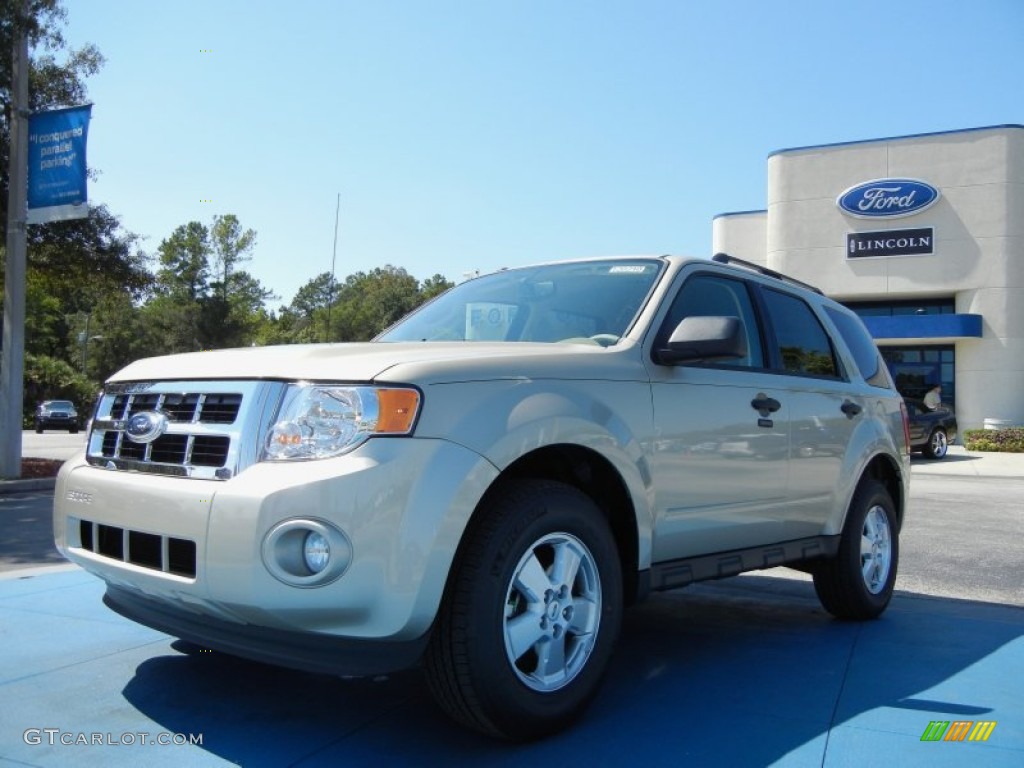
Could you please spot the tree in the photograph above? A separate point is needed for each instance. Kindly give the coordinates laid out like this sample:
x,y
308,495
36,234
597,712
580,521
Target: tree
x,y
315,295
199,306
370,302
72,265
434,286
184,259
231,247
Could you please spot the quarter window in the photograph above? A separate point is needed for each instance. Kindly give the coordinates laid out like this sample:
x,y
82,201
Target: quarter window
x,y
803,346
862,346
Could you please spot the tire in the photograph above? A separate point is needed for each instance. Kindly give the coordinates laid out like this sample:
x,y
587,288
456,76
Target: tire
x,y
937,445
858,583
531,613
39,430
73,430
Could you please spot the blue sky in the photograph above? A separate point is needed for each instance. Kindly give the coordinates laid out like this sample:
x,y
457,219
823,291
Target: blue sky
x,y
480,134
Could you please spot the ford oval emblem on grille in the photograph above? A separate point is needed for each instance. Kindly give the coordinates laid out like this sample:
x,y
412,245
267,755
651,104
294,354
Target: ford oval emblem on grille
x,y
146,427
887,198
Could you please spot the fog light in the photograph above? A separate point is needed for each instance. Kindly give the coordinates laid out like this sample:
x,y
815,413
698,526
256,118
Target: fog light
x,y
306,552
316,551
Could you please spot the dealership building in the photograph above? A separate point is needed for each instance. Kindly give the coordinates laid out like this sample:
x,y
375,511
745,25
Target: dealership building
x,y
923,236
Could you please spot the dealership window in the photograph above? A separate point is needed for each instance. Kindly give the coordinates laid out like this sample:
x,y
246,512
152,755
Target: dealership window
x,y
902,308
916,369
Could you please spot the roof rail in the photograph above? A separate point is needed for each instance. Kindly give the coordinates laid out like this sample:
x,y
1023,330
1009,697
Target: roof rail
x,y
725,258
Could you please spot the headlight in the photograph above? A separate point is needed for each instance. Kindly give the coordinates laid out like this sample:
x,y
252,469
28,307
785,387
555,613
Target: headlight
x,y
318,421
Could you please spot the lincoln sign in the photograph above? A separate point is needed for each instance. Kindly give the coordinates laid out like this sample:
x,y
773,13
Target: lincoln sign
x,y
892,242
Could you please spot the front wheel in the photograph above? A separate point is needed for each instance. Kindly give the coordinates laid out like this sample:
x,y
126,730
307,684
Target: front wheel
x,y
938,444
531,614
858,582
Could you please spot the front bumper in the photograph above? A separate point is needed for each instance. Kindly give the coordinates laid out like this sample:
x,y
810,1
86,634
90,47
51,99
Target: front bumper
x,y
305,651
401,503
67,422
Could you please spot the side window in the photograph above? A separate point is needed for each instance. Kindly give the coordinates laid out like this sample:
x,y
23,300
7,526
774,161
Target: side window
x,y
862,346
710,295
803,346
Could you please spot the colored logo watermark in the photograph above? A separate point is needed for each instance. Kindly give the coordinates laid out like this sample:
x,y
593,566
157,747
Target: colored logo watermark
x,y
958,730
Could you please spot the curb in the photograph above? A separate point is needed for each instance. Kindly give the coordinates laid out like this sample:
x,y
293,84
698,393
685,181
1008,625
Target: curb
x,y
23,486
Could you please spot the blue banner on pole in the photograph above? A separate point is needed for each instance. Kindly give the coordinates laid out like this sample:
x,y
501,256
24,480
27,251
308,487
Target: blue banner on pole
x,y
56,164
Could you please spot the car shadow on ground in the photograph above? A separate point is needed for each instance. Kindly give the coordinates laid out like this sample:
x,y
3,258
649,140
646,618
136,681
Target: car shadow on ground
x,y
747,671
949,458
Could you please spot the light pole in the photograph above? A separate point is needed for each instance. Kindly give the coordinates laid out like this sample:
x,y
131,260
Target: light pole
x,y
84,338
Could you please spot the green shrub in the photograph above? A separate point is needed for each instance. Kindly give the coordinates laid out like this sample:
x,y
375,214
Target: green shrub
x,y
1009,440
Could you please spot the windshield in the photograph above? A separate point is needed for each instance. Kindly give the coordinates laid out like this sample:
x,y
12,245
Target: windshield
x,y
591,302
55,404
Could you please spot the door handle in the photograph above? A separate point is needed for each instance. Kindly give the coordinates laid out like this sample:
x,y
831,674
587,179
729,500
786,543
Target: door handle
x,y
850,408
764,404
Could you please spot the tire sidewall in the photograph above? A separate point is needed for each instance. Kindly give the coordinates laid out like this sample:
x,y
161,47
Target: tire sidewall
x,y
937,454
866,499
512,704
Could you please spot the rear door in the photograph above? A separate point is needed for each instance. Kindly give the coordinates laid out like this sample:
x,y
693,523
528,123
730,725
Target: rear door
x,y
823,412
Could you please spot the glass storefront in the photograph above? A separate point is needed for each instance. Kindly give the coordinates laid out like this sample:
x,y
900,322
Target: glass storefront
x,y
916,369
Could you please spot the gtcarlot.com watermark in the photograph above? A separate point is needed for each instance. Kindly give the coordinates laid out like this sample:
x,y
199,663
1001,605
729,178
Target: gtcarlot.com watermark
x,y
55,736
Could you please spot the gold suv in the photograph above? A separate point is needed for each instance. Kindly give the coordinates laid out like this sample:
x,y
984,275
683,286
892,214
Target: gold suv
x,y
482,489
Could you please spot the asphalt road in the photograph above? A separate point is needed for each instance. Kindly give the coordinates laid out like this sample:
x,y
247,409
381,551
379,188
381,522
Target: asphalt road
x,y
961,538
51,444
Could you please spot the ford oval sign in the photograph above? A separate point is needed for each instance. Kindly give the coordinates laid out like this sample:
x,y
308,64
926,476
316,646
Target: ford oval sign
x,y
887,198
146,427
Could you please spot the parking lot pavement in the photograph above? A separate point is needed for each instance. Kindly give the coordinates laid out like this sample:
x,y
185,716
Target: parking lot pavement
x,y
748,671
961,462
743,672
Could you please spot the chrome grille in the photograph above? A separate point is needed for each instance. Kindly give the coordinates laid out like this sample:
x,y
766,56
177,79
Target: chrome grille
x,y
192,407
212,427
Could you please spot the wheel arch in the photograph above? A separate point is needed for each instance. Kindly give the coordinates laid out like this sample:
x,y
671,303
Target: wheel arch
x,y
889,474
592,474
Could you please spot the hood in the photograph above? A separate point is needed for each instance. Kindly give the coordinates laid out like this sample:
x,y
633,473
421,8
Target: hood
x,y
389,361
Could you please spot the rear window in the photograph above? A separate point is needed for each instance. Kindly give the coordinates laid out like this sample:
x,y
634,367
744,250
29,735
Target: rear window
x,y
861,345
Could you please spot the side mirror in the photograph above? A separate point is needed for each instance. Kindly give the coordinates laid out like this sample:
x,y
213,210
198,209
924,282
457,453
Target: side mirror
x,y
704,339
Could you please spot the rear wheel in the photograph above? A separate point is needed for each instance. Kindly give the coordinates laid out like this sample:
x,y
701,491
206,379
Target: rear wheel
x,y
858,582
531,614
938,444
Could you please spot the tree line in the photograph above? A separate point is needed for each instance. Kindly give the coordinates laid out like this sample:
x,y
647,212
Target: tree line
x,y
95,300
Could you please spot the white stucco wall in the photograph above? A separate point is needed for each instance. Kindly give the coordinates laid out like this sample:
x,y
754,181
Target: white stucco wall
x,y
743,235
978,254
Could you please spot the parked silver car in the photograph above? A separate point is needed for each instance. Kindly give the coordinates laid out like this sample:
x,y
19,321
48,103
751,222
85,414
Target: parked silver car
x,y
485,487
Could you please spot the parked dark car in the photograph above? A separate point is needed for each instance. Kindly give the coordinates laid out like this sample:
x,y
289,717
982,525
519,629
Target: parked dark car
x,y
56,414
931,431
